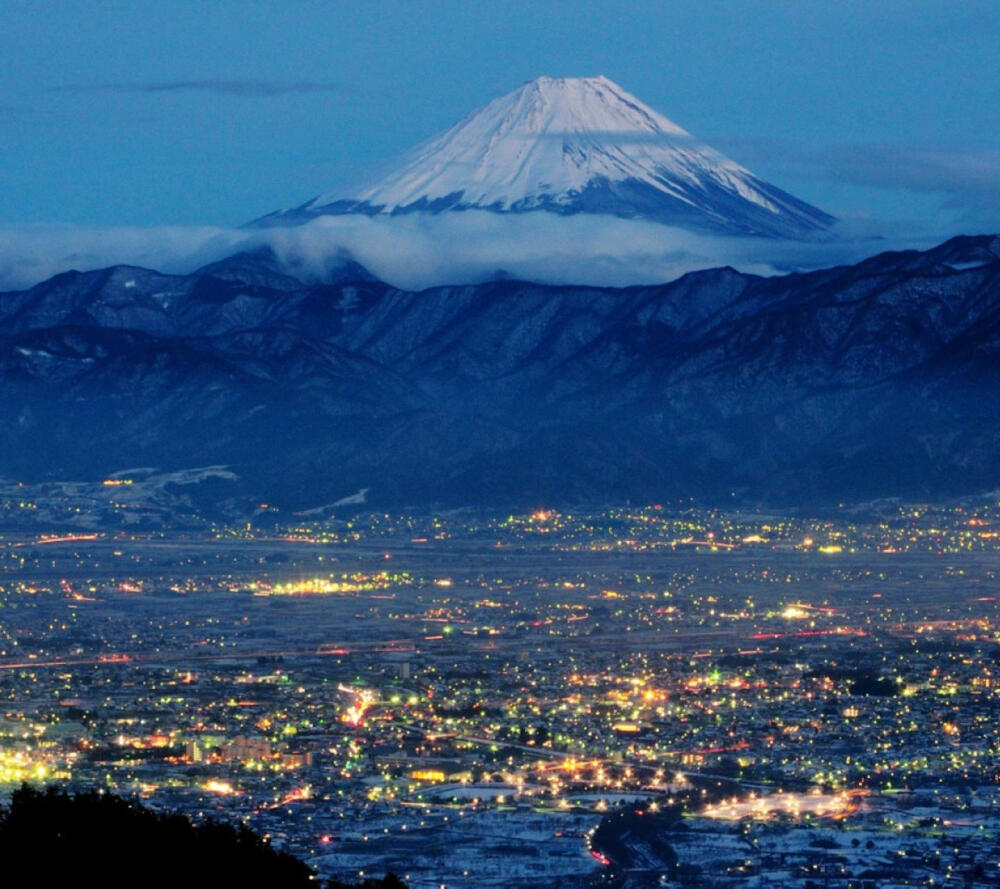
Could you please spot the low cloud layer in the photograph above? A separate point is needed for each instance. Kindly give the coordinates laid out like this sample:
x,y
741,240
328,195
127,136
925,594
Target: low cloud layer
x,y
29,254
418,251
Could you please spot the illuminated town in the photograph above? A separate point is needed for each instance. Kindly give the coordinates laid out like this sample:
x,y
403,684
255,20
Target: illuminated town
x,y
664,695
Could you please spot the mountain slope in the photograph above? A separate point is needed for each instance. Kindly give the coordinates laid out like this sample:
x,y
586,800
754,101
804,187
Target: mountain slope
x,y
841,384
577,145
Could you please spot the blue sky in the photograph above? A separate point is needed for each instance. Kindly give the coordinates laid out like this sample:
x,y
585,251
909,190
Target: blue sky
x,y
146,113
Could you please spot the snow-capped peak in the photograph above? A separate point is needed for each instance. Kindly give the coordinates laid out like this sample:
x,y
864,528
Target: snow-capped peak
x,y
572,145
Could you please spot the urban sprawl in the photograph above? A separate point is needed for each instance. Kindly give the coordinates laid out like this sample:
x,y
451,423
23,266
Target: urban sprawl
x,y
641,696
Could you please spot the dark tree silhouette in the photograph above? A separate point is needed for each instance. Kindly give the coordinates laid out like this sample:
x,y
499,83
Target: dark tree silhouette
x,y
54,839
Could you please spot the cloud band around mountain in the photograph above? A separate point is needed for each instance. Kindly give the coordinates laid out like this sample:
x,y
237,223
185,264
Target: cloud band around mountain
x,y
416,251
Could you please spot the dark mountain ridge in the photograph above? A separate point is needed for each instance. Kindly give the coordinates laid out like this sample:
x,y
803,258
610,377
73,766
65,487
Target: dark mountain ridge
x,y
842,384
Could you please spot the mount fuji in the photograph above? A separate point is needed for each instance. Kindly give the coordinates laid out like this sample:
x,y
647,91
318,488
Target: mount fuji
x,y
576,145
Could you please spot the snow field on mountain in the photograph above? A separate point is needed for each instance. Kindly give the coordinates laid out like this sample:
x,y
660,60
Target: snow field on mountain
x,y
573,145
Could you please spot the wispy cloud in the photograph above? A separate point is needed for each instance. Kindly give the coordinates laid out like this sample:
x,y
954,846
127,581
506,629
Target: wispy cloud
x,y
966,181
915,169
250,88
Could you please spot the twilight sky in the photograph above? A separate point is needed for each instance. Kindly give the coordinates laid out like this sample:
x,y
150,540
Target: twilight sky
x,y
162,112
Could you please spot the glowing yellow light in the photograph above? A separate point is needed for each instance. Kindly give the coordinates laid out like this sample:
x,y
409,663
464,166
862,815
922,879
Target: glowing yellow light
x,y
223,788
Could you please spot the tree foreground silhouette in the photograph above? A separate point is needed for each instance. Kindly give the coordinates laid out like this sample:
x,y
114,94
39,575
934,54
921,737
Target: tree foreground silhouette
x,y
51,838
